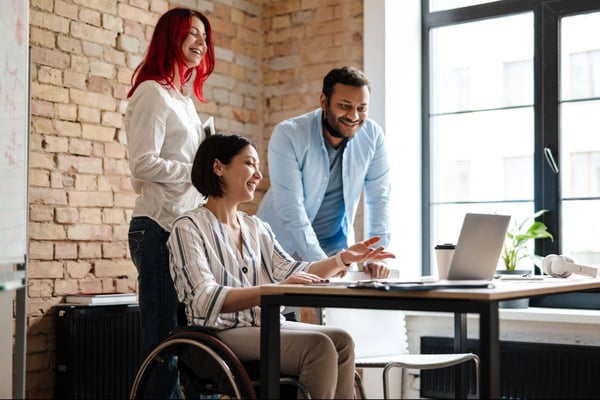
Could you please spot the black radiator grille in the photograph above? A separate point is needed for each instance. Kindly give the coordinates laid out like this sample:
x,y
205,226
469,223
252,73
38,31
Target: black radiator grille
x,y
97,351
529,370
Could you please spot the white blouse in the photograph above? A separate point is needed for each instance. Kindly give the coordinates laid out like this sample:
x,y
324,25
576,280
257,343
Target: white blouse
x,y
205,265
163,134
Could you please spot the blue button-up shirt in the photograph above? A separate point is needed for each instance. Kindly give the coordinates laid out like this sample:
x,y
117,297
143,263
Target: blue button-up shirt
x,y
299,174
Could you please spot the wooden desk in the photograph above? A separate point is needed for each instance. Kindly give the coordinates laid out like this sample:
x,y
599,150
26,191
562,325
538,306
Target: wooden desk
x,y
459,301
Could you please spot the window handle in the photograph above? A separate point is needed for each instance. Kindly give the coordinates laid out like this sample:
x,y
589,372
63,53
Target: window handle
x,y
550,160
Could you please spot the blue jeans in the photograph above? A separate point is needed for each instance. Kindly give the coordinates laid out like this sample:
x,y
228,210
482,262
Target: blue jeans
x,y
156,291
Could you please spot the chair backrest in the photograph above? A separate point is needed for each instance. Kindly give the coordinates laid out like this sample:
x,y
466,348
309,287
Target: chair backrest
x,y
375,332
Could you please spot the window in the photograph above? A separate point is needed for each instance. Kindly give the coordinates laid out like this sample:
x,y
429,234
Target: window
x,y
506,85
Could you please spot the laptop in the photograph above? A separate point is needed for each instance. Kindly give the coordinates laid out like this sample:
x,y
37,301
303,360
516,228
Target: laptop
x,y
478,247
474,261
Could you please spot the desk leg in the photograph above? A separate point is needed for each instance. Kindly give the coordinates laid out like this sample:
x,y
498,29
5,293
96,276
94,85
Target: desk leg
x,y
270,338
460,346
489,352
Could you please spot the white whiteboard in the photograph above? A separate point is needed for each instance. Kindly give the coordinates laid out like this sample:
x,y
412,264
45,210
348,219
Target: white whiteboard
x,y
14,129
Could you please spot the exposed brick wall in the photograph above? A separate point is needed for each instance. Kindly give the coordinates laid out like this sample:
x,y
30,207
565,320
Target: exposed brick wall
x,y
271,58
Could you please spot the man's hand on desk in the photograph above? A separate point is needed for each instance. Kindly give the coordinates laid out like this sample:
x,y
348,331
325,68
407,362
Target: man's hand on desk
x,y
377,270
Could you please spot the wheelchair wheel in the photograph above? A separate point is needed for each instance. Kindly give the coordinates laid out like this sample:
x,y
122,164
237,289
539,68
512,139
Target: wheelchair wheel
x,y
207,369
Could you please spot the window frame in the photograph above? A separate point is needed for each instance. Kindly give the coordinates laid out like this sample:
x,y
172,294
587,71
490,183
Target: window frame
x,y
547,15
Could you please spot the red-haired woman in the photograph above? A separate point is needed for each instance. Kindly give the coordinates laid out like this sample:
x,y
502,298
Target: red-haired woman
x,y
163,134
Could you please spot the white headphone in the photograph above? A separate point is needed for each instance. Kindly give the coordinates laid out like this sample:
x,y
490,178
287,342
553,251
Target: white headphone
x,y
563,266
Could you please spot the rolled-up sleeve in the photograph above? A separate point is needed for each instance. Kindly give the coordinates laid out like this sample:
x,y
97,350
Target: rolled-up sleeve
x,y
377,193
194,281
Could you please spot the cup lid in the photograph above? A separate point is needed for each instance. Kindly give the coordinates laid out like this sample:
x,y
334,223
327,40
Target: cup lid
x,y
445,246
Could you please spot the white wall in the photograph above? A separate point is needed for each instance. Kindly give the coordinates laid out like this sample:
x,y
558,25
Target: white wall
x,y
392,62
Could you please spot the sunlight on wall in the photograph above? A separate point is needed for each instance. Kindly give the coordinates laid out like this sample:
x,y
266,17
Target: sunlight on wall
x,y
393,64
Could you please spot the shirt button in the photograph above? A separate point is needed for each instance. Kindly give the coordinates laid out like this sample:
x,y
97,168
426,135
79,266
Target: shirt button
x,y
245,269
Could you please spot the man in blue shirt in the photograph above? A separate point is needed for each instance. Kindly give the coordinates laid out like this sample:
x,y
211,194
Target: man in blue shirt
x,y
319,164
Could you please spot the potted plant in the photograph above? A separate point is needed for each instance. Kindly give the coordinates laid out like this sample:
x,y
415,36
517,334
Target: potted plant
x,y
518,236
516,249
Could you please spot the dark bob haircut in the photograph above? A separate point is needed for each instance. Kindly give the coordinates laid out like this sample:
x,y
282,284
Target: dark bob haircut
x,y
350,76
215,147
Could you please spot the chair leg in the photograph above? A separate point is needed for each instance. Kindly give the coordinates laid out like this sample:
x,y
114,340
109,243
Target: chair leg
x,y
386,372
358,385
476,361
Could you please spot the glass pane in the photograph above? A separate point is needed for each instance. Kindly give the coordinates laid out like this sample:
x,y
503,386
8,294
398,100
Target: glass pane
x,y
581,231
482,156
439,5
579,139
482,65
580,149
580,56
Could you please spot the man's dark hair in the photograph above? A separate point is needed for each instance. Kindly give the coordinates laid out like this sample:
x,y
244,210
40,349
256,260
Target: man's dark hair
x,y
215,147
346,76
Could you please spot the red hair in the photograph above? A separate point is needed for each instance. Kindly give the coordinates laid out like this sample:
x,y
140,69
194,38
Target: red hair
x,y
164,52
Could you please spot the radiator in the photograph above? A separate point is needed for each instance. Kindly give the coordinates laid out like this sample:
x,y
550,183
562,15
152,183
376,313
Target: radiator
x,y
97,351
529,370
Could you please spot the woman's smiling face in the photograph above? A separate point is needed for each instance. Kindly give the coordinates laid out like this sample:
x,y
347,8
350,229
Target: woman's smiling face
x,y
194,46
242,175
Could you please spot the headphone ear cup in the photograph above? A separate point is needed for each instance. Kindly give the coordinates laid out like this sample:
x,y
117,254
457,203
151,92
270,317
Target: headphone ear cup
x,y
560,268
547,263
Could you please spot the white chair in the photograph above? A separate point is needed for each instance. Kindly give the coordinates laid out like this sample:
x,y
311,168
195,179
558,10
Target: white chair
x,y
380,340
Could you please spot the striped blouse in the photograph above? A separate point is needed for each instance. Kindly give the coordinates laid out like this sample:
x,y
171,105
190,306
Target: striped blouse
x,y
205,265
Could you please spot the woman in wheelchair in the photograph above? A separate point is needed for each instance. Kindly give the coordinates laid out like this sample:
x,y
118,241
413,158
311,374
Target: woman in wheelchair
x,y
220,257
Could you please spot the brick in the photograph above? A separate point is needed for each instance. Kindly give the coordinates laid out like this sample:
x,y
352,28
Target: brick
x,y
91,216
86,182
41,251
66,112
113,216
89,232
55,144
114,268
94,100
39,178
64,9
41,213
40,37
91,286
65,287
78,269
50,57
68,44
49,21
50,93
89,250
66,215
40,288
65,250
80,147
90,199
47,196
44,269
91,17
79,164
89,114
114,250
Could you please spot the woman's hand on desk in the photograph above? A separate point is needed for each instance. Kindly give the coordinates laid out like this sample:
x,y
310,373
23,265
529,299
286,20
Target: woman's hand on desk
x,y
303,278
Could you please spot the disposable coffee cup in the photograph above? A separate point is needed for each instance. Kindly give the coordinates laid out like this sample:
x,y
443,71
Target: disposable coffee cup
x,y
443,254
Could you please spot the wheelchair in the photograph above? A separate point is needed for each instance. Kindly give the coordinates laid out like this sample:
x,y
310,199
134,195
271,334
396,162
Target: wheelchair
x,y
208,369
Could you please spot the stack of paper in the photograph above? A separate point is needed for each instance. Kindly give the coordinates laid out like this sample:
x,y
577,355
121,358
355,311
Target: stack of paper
x,y
101,298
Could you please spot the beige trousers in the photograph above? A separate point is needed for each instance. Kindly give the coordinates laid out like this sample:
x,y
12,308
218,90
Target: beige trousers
x,y
321,357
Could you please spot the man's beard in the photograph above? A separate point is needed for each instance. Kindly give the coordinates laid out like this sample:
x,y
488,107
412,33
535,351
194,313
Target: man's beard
x,y
332,131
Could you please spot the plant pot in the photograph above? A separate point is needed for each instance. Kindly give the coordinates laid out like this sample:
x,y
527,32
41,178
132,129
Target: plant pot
x,y
517,303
